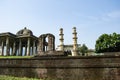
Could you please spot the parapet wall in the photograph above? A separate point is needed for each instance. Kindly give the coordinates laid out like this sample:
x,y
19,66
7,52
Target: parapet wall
x,y
64,68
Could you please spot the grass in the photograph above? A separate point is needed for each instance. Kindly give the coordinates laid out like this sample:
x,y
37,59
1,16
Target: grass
x,y
16,56
3,77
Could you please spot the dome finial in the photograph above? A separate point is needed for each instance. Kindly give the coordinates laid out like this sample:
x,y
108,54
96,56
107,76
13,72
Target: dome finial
x,y
25,28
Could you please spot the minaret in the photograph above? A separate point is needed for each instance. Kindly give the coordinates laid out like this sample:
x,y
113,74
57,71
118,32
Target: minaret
x,y
74,53
61,46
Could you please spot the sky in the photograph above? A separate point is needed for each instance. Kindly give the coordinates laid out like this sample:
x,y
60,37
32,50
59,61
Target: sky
x,y
92,18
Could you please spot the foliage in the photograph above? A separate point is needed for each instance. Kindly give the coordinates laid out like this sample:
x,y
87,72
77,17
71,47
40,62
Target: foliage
x,y
108,43
91,51
83,49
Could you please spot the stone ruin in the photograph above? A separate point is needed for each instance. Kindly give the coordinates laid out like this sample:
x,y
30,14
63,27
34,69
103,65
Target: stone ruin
x,y
24,43
46,45
46,42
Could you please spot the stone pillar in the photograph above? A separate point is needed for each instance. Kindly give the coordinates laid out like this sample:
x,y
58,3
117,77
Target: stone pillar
x,y
49,46
11,50
7,46
2,46
41,45
25,50
50,43
14,48
34,47
20,48
17,50
61,46
53,43
31,50
74,53
28,47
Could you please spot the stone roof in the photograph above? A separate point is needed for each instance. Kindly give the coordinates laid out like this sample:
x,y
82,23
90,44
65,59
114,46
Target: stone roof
x,y
7,34
24,32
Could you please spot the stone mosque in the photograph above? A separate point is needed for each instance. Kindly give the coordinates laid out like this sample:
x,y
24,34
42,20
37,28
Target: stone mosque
x,y
24,43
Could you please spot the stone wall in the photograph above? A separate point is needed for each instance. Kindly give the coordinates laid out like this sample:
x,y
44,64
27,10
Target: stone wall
x,y
111,53
64,68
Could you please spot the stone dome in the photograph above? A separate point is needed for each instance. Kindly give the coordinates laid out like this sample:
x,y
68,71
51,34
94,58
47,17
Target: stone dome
x,y
24,32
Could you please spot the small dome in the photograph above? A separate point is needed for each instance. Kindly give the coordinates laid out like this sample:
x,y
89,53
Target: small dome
x,y
24,31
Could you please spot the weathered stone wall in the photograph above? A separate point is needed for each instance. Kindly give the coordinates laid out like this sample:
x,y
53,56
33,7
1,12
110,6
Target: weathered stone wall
x,y
64,68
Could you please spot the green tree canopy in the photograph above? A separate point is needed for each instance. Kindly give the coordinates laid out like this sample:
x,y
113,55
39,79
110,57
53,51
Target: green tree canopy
x,y
83,49
108,43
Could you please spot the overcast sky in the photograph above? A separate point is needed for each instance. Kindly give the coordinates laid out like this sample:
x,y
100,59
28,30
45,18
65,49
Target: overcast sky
x,y
91,18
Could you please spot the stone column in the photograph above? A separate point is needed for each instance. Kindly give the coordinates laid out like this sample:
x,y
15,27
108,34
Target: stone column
x,y
34,47
25,50
50,43
20,48
31,50
21,51
17,50
14,48
61,46
74,53
2,46
40,46
48,47
7,46
11,50
53,43
28,47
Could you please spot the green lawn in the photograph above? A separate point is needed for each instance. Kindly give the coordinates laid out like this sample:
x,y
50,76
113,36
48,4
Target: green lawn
x,y
16,56
3,77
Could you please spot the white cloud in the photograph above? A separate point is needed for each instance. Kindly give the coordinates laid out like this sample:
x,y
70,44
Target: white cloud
x,y
111,16
114,14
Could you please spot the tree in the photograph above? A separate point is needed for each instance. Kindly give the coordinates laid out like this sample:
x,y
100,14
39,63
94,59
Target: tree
x,y
108,43
83,49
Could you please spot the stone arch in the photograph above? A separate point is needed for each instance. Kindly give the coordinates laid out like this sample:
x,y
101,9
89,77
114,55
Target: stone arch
x,y
44,45
51,42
